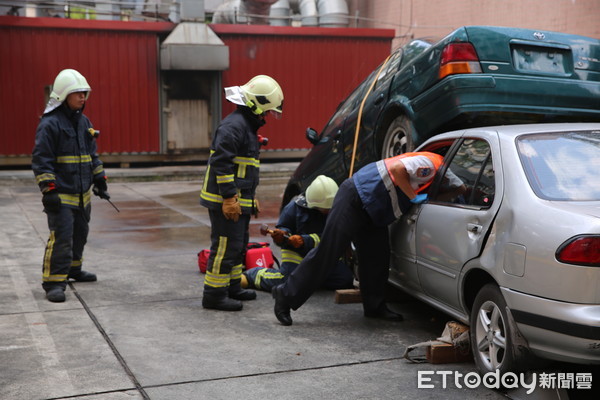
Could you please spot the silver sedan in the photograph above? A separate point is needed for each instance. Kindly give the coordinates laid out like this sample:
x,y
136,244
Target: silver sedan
x,y
516,254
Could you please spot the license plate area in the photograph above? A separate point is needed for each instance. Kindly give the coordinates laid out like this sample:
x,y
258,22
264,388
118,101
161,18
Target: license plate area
x,y
542,60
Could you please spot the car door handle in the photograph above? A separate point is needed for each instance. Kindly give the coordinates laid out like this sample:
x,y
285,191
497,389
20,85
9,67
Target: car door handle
x,y
379,99
474,228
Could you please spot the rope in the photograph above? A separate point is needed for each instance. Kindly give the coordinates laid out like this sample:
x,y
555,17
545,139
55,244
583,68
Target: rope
x,y
360,110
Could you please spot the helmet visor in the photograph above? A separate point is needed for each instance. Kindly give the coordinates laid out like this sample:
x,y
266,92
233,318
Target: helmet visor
x,y
274,114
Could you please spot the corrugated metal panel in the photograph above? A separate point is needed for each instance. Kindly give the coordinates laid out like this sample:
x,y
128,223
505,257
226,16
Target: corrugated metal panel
x,y
119,60
316,68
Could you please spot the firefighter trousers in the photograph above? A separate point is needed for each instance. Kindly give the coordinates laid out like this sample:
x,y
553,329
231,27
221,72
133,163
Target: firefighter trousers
x,y
69,228
347,222
225,262
340,277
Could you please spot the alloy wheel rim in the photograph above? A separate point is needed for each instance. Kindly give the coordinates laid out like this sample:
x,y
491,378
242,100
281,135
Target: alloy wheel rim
x,y
490,336
396,144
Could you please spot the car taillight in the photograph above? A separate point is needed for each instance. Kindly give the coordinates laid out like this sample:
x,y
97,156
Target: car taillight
x,y
459,58
580,250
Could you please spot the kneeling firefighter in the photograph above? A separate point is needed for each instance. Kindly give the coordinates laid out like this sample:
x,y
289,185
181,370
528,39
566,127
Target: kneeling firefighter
x,y
229,188
298,231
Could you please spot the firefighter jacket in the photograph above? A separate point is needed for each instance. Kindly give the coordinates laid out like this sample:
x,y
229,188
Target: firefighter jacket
x,y
65,155
233,165
383,201
297,218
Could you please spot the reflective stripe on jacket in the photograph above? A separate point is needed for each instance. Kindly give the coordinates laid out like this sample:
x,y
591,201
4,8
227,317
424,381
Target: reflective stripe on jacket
x,y
233,166
65,154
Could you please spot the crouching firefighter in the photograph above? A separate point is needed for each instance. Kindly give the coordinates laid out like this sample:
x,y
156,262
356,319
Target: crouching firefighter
x,y
298,231
66,165
229,189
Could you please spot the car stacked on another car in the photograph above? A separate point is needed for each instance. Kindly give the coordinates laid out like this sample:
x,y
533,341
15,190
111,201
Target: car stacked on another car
x,y
475,76
517,255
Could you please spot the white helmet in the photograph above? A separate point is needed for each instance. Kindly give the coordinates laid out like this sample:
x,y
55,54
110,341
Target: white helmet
x,y
67,81
262,93
320,192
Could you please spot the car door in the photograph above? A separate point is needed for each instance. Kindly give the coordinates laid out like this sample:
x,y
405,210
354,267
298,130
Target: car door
x,y
452,227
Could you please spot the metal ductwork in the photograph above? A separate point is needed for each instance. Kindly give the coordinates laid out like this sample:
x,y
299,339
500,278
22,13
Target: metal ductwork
x,y
333,13
280,13
251,12
193,46
323,13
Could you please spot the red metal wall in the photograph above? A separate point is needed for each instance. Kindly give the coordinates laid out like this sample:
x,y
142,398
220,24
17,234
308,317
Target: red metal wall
x,y
316,68
118,59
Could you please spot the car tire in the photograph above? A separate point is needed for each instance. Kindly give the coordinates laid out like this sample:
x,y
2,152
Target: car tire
x,y
398,138
491,335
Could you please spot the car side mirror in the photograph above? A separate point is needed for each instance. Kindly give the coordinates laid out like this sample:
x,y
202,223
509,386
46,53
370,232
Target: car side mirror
x,y
312,136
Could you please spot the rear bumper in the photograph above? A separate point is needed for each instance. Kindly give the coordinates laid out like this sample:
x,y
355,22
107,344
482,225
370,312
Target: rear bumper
x,y
557,330
502,98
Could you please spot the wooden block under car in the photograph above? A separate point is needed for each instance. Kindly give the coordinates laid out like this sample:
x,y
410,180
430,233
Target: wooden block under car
x,y
347,296
446,353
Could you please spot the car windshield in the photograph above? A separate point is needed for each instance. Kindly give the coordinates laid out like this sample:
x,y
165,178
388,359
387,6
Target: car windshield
x,y
562,166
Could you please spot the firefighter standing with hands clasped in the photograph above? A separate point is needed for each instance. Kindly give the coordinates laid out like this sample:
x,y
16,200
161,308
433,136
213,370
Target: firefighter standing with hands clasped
x,y
66,165
364,206
229,189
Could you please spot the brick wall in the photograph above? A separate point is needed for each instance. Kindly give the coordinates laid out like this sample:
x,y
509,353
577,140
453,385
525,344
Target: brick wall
x,y
419,18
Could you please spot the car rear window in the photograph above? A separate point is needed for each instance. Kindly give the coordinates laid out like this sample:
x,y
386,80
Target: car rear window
x,y
562,166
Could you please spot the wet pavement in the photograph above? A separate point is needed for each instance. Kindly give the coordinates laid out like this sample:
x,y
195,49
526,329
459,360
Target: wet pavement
x,y
140,332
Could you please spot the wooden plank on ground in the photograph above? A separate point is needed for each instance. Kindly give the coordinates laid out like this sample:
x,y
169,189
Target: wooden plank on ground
x,y
346,296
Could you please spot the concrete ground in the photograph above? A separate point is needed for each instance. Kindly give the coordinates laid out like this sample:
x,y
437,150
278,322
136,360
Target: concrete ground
x,y
140,332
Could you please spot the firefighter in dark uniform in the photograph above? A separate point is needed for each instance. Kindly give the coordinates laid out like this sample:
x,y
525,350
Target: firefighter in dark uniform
x,y
66,165
364,206
298,231
229,189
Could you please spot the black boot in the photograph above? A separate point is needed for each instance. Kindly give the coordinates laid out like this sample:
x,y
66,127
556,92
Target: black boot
x,y
82,276
383,312
236,292
56,294
220,301
281,309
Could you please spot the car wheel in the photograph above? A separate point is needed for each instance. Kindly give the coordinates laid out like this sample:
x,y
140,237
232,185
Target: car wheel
x,y
398,137
491,338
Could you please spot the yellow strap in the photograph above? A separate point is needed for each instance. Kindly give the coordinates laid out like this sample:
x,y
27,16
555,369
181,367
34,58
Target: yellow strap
x,y
360,110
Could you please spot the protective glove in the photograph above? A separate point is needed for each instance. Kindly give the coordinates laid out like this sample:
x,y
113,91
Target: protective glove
x,y
51,201
420,198
232,208
296,241
256,208
279,236
101,188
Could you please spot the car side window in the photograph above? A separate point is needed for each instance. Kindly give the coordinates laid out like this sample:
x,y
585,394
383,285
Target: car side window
x,y
389,70
469,178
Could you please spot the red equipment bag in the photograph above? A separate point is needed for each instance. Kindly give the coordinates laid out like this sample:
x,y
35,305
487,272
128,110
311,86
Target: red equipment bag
x,y
258,254
203,260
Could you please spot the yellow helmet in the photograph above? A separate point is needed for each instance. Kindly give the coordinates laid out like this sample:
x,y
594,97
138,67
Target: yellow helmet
x,y
320,192
67,81
262,93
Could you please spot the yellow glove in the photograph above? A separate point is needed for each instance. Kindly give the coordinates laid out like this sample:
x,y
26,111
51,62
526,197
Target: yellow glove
x,y
279,236
296,241
256,208
232,209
